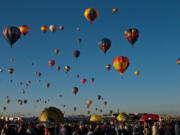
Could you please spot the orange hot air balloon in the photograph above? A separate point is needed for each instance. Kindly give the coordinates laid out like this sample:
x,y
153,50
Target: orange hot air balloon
x,y
47,85
58,68
51,63
89,102
56,51
178,61
24,29
136,73
105,103
114,10
61,27
44,28
121,64
8,101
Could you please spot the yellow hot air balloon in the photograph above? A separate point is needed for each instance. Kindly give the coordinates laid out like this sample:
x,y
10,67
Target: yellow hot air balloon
x,y
91,14
136,73
89,102
44,29
24,29
67,68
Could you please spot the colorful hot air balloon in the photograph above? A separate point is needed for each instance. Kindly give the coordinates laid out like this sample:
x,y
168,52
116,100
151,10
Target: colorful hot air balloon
x,y
136,73
67,68
89,102
56,51
91,14
44,28
8,101
178,61
114,10
23,91
104,44
75,90
88,112
108,67
38,74
24,29
51,63
58,68
121,63
11,70
61,27
79,40
76,53
83,80
47,85
132,35
12,34
52,28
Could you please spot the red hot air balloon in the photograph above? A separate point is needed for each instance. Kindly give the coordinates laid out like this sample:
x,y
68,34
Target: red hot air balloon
x,y
178,61
51,63
132,35
108,67
75,90
47,85
105,103
83,80
38,74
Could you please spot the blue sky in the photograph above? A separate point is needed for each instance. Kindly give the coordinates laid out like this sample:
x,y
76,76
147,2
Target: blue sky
x,y
154,54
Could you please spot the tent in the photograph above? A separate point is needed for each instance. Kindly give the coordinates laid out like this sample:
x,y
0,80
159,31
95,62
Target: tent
x,y
95,118
148,117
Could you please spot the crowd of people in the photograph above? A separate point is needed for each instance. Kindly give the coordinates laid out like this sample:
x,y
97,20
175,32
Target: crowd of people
x,y
91,128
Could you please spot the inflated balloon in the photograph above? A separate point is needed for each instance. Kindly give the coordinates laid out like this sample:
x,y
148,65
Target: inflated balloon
x,y
88,112
44,28
76,53
96,109
108,67
132,35
83,80
98,97
100,111
74,108
4,108
105,103
75,90
20,83
51,63
52,28
12,34
29,82
92,80
56,51
20,102
136,73
8,101
91,14
1,70
11,59
79,40
114,10
178,61
121,64
24,29
23,91
60,95
32,63
25,101
110,111
47,85
78,29
11,70
89,102
77,76
38,74
87,105
61,27
104,44
67,68
58,68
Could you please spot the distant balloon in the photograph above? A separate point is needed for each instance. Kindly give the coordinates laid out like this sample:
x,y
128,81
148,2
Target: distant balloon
x,y
98,97
67,68
51,63
11,59
12,34
56,51
47,85
77,75
105,103
89,102
52,28
91,14
83,80
23,91
25,101
4,108
92,80
88,112
108,67
121,64
79,40
76,53
20,83
132,35
11,70
74,108
136,73
104,44
44,29
8,101
61,27
87,105
24,29
178,61
114,10
38,74
78,29
1,70
75,90
58,68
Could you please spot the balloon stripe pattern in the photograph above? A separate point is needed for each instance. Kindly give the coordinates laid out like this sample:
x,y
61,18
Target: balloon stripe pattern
x,y
91,14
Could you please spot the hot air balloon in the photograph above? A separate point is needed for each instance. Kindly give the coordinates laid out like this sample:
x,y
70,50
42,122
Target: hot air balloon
x,y
91,14
52,28
108,67
114,10
96,109
11,59
67,68
11,70
29,82
92,80
121,64
38,74
89,102
136,73
132,35
25,101
61,27
56,51
4,108
60,95
79,40
77,75
83,80
23,91
44,28
12,34
76,53
47,85
178,61
24,29
105,102
75,90
87,105
98,97
88,112
20,102
51,63
110,111
32,63
1,70
20,83
8,101
58,68
74,108
78,29
104,44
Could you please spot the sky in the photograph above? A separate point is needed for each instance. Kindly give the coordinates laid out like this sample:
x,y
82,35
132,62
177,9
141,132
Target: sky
x,y
155,53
